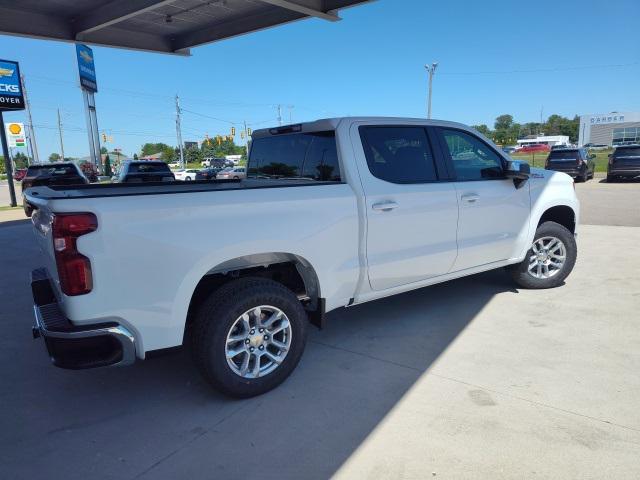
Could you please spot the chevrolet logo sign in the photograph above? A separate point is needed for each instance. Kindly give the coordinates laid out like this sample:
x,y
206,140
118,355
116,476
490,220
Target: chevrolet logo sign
x,y
5,72
86,57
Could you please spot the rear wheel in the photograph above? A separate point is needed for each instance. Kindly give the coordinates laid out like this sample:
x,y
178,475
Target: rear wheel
x,y
611,179
249,336
550,259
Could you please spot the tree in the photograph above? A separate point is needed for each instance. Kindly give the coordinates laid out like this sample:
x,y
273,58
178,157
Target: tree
x,y
20,160
483,129
54,157
168,152
135,156
503,122
103,150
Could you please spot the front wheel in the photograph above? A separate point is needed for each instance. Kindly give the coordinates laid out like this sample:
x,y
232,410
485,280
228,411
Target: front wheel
x,y
249,336
550,259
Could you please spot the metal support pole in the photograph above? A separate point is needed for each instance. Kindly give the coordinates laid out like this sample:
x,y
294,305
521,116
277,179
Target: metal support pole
x,y
431,69
7,162
279,114
179,133
96,155
87,112
30,131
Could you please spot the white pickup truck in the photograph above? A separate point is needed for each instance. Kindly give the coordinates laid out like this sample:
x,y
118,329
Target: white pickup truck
x,y
333,213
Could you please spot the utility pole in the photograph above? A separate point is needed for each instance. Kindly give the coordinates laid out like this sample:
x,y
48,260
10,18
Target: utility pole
x,y
290,107
179,132
60,133
279,114
30,130
431,69
246,137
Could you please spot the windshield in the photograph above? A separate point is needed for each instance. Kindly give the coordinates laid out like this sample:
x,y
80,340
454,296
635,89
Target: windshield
x,y
51,170
564,156
148,168
627,152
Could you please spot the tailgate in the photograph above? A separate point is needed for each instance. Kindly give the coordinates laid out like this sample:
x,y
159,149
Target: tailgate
x,y
42,220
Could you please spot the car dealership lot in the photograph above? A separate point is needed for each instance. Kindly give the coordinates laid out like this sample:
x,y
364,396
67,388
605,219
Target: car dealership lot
x,y
472,378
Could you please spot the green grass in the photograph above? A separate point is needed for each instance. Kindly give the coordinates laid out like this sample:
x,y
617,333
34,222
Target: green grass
x,y
537,159
2,209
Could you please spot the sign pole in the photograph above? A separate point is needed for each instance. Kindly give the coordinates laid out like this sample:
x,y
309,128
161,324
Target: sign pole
x,y
89,86
7,161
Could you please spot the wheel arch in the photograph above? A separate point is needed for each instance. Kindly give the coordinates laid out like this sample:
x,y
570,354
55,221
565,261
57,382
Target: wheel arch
x,y
292,270
562,214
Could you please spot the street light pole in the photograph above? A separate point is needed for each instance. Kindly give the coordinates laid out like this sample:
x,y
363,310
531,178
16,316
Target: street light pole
x,y
431,69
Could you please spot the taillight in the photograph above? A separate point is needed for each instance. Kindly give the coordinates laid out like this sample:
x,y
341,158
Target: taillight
x,y
74,269
610,159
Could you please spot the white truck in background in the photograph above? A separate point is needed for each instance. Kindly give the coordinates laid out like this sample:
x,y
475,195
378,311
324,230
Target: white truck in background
x,y
333,213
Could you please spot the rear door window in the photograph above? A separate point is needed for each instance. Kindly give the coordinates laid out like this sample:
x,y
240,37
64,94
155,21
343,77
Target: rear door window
x,y
309,156
399,154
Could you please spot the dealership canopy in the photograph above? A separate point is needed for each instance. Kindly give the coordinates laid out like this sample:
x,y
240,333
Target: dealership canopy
x,y
160,26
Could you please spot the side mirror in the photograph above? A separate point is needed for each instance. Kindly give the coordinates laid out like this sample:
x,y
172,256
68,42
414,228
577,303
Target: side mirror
x,y
518,170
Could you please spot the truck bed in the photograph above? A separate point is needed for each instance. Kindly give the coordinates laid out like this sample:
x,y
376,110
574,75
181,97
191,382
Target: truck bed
x,y
159,188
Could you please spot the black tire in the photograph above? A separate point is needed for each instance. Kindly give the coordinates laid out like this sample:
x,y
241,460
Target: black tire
x,y
216,316
611,179
520,273
187,179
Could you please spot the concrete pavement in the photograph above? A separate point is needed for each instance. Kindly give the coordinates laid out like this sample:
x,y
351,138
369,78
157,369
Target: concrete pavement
x,y
468,379
609,203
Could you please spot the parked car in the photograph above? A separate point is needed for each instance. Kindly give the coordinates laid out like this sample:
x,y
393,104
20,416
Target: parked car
x,y
362,208
62,173
138,171
174,165
232,172
534,147
624,162
186,175
509,150
576,162
19,174
207,173
90,171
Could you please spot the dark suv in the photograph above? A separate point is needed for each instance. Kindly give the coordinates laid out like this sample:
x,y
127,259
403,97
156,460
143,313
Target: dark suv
x,y
576,162
144,171
624,162
62,173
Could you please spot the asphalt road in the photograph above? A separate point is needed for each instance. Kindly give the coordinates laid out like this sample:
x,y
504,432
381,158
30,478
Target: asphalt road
x,y
468,379
5,199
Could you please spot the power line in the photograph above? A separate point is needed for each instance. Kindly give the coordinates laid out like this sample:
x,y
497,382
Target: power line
x,y
544,70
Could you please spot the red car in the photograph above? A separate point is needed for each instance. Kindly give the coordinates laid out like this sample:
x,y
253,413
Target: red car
x,y
19,174
534,147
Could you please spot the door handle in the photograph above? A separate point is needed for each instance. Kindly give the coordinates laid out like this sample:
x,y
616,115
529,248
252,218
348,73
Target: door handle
x,y
384,206
470,197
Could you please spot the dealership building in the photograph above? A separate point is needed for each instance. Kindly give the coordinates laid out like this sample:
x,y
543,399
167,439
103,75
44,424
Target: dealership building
x,y
613,128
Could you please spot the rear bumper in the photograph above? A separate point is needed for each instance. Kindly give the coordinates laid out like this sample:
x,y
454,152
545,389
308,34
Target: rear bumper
x,y
76,347
572,172
624,172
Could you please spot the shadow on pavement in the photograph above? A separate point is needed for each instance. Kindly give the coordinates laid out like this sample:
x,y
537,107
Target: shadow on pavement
x,y
159,419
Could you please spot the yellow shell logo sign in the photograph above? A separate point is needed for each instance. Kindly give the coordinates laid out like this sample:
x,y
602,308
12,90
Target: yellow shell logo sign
x,y
15,128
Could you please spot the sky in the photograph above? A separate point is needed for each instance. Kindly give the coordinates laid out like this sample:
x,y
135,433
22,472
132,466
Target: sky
x,y
495,57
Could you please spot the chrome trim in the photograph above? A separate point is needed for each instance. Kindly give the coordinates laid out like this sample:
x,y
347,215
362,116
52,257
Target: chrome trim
x,y
124,336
